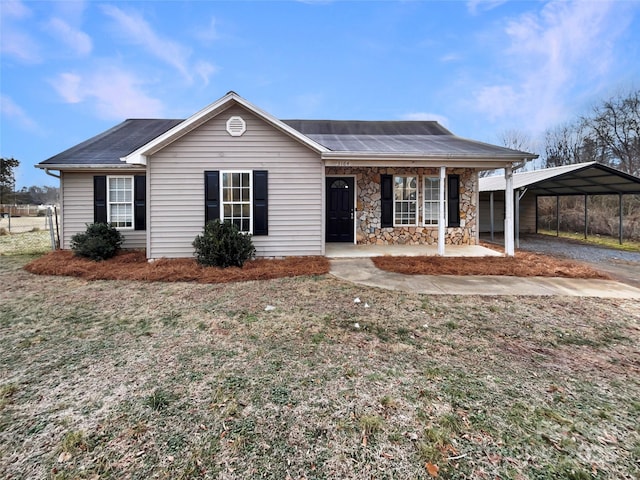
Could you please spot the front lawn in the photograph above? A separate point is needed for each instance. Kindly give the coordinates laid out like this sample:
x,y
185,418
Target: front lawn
x,y
290,378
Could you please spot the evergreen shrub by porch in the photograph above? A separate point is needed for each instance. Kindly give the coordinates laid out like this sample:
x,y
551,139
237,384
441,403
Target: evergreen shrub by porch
x,y
223,245
100,241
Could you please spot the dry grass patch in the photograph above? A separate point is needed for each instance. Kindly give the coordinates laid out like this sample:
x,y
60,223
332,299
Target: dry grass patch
x,y
524,264
133,265
120,379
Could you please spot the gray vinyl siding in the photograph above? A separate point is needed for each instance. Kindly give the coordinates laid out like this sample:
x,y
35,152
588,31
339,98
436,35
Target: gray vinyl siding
x,y
176,187
77,209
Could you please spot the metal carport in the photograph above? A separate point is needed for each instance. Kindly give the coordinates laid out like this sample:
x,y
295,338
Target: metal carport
x,y
590,178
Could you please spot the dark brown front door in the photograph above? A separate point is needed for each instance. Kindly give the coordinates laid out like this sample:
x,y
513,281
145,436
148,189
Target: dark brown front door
x,y
340,211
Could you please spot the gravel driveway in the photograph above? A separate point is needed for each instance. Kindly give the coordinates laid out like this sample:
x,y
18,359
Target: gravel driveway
x,y
623,266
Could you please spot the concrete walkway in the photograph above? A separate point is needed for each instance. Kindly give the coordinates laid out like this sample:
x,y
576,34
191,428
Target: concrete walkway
x,y
362,271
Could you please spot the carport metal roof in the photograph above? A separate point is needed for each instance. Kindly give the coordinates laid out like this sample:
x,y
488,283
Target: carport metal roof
x,y
590,178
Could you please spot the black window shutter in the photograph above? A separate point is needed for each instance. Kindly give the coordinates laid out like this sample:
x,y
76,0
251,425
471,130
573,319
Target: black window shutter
x,y
453,200
211,195
386,200
100,199
140,202
260,202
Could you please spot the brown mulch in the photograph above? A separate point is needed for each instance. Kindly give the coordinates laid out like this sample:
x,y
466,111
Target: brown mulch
x,y
133,265
524,264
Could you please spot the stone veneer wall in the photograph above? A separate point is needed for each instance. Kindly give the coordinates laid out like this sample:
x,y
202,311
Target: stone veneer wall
x,y
368,230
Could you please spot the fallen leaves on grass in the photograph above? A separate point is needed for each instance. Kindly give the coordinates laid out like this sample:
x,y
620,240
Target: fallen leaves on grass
x,y
133,265
524,264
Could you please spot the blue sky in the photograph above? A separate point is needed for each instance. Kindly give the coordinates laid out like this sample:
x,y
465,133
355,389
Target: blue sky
x,y
72,69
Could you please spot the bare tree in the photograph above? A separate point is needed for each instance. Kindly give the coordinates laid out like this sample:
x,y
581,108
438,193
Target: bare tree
x,y
516,140
564,145
615,127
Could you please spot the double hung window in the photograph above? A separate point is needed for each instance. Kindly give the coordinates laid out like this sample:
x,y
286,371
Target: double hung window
x,y
405,204
120,201
236,193
431,211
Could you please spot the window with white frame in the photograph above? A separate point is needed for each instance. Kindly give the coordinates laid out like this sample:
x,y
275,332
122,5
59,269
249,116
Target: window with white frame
x,y
236,191
431,211
120,201
405,202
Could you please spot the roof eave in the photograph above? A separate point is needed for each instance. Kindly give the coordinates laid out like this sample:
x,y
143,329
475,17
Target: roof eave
x,y
412,159
93,166
140,155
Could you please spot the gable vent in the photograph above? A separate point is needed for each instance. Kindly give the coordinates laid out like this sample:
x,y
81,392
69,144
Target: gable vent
x,y
236,126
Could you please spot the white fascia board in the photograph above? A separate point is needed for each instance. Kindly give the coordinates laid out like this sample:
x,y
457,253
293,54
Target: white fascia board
x,y
400,160
93,166
197,119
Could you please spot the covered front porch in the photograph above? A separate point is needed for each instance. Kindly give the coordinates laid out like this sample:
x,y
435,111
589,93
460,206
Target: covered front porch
x,y
350,250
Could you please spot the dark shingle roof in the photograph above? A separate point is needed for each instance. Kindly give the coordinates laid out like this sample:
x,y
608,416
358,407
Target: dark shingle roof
x,y
363,127
107,147
427,138
389,137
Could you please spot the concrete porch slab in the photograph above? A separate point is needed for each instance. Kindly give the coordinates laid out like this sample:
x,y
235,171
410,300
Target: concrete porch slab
x,y
349,250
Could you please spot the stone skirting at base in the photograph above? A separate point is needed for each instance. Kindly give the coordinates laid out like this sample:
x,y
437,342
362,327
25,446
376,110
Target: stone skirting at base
x,y
368,208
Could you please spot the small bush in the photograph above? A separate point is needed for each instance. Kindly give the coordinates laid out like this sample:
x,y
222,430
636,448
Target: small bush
x,y
223,245
99,242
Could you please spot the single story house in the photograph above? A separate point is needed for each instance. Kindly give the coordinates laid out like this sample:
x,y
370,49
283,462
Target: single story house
x,y
295,185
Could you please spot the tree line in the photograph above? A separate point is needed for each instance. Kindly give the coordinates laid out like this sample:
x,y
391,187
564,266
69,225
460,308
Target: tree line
x,y
608,134
34,195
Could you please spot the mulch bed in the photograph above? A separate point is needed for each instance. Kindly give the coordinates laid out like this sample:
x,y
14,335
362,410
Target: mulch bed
x,y
524,264
133,265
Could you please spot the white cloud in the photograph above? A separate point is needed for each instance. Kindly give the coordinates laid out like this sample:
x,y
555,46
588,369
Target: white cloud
x,y
451,57
77,40
205,70
551,54
474,5
14,113
17,42
68,87
441,119
114,93
15,9
209,34
139,32
20,45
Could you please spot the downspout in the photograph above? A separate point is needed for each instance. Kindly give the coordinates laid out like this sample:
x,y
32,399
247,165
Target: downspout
x,y
48,172
54,244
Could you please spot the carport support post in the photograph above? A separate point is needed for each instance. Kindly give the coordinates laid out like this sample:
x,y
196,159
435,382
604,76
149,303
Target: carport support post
x,y
557,216
620,215
509,248
441,217
586,217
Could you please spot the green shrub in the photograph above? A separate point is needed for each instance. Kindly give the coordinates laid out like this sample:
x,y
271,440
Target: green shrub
x,y
223,245
99,242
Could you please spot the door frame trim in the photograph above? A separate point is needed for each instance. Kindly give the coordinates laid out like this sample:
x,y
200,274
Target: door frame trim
x,y
355,203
